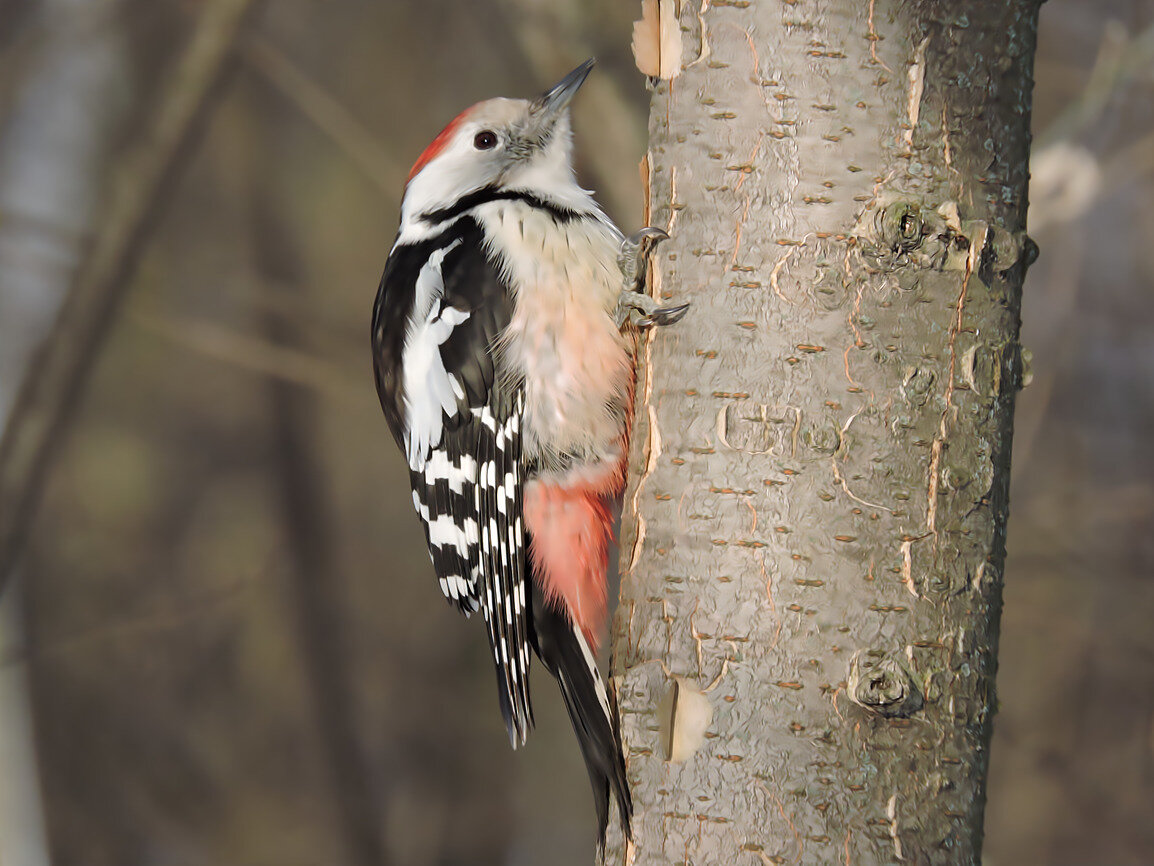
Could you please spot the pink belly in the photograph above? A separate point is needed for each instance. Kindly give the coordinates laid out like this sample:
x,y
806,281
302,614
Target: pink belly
x,y
571,526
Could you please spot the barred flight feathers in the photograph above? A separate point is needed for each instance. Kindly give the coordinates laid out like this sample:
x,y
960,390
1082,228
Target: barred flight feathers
x,y
459,425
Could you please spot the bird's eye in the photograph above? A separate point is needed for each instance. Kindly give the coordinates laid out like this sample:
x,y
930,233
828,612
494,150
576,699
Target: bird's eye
x,y
485,140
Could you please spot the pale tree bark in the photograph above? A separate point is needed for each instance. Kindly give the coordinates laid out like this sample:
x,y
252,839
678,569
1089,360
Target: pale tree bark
x,y
53,144
813,534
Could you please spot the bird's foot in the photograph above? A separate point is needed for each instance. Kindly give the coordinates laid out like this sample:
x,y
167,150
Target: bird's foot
x,y
652,313
633,260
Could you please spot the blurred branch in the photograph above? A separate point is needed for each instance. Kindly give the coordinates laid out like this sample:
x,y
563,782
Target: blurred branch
x,y
314,577
1119,60
312,565
254,354
1062,295
329,116
1066,180
56,381
189,613
1130,163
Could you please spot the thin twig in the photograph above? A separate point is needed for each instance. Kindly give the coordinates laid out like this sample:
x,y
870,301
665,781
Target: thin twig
x,y
326,113
254,354
1120,60
56,380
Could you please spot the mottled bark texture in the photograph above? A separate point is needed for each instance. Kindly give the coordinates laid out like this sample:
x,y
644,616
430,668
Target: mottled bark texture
x,y
813,535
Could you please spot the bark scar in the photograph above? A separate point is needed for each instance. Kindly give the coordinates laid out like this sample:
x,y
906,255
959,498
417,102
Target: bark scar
x,y
838,477
777,268
892,814
874,38
917,73
852,316
720,675
947,154
630,853
653,441
908,567
704,52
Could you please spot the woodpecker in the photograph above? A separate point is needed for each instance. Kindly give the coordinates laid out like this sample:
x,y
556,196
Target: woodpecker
x,y
507,382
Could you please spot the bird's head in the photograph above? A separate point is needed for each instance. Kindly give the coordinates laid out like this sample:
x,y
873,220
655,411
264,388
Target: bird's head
x,y
505,144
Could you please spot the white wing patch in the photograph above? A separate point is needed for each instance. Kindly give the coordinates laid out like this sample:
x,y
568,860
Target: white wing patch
x,y
430,391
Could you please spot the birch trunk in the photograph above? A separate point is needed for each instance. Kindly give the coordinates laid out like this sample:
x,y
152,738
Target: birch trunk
x,y
53,146
813,534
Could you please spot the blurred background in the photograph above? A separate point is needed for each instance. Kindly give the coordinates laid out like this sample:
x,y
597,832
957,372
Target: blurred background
x,y
219,639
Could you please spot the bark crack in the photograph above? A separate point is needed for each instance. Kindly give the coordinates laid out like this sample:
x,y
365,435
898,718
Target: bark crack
x,y
976,246
874,38
773,275
653,437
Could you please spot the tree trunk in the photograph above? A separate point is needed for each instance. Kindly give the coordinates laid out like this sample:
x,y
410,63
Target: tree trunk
x,y
53,147
813,534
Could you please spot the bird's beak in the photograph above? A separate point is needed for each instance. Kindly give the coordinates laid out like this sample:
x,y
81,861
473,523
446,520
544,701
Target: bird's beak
x,y
549,105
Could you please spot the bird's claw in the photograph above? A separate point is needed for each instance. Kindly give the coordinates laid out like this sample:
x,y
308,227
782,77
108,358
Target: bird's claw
x,y
633,262
663,316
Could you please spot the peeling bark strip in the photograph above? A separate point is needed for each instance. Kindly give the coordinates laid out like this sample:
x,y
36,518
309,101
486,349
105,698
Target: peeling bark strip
x,y
815,546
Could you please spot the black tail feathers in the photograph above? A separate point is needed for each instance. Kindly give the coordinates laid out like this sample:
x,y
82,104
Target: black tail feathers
x,y
566,654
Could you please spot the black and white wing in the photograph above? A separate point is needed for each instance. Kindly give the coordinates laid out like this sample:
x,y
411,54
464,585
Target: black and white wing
x,y
439,313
